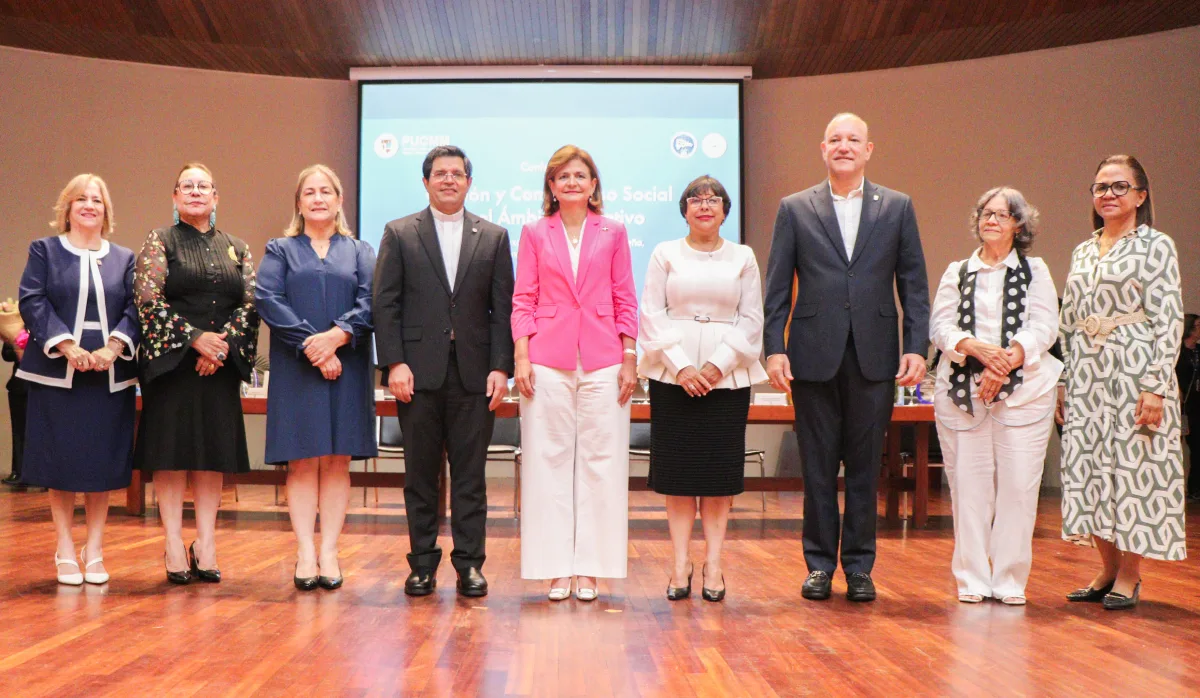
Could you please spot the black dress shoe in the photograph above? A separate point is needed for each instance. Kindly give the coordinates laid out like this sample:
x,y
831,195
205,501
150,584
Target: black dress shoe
x,y
420,583
817,587
711,594
1120,602
1090,595
13,481
176,577
212,576
304,583
330,583
471,582
680,593
859,587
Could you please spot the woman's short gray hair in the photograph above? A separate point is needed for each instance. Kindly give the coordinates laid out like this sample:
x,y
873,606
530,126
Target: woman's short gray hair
x,y
1024,215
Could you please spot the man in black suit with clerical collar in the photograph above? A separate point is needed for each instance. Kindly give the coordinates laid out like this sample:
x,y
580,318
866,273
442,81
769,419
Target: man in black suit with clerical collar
x,y
443,301
841,245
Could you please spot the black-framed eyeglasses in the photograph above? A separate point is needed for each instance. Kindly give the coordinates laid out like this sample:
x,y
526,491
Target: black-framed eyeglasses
x,y
188,186
710,201
1001,216
1121,188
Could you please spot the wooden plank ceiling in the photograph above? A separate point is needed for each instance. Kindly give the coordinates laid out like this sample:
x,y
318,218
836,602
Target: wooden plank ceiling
x,y
325,38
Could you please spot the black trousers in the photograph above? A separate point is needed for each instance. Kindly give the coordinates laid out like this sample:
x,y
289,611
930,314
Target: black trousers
x,y
16,416
459,423
838,421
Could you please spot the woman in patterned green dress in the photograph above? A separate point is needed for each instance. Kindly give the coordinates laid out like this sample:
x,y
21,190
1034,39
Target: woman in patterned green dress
x,y
1120,324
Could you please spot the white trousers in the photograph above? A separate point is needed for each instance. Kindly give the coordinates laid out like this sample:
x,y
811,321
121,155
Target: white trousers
x,y
574,475
995,473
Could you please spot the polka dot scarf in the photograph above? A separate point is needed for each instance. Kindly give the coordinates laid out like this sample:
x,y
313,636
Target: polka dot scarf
x,y
1016,287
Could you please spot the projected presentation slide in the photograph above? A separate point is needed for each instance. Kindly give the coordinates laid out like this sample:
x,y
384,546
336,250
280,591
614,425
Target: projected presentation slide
x,y
648,140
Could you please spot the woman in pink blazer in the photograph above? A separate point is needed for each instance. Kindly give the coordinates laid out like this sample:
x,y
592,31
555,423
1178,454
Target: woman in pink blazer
x,y
574,323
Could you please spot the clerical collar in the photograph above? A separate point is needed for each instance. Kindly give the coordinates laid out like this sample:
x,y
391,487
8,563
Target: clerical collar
x,y
451,218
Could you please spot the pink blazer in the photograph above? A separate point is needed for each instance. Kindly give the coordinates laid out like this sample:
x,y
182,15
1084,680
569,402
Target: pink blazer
x,y
564,316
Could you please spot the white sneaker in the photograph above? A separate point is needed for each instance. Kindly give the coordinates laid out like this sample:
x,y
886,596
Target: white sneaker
x,y
75,579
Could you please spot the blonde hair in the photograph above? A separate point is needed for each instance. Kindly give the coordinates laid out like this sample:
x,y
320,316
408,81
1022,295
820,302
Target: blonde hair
x,y
62,207
193,166
297,225
559,160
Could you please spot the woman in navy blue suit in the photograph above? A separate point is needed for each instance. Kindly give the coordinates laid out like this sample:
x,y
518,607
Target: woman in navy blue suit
x,y
314,292
77,303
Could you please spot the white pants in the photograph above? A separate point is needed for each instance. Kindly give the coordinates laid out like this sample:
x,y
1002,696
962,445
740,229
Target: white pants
x,y
995,472
574,475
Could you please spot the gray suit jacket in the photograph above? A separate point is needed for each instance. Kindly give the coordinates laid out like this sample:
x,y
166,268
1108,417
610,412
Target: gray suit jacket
x,y
836,295
415,311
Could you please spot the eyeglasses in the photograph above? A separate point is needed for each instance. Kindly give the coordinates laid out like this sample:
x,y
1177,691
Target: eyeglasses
x,y
1001,216
188,186
700,201
1121,188
455,176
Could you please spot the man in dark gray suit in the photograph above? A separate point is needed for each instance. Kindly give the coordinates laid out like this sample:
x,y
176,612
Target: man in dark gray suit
x,y
844,242
443,301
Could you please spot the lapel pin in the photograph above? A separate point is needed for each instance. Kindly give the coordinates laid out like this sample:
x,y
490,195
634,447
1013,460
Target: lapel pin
x,y
875,198
604,228
474,230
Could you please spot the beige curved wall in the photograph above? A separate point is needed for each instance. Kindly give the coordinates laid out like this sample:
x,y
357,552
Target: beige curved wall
x,y
943,133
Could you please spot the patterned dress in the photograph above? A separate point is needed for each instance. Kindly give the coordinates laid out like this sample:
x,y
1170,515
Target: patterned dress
x,y
1121,482
188,282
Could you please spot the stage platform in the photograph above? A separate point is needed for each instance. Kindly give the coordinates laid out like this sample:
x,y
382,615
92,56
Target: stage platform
x,y
254,634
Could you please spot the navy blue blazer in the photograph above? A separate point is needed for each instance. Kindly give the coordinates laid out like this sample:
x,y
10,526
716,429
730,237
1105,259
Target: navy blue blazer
x,y
53,302
835,295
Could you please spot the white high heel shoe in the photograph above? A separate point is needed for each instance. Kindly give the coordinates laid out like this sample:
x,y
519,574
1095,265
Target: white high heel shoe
x,y
586,593
75,579
559,593
92,577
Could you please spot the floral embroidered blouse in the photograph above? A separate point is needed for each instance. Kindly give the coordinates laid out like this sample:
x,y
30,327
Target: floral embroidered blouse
x,y
187,283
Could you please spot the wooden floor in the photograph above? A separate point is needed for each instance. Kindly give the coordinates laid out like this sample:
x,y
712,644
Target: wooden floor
x,y
254,634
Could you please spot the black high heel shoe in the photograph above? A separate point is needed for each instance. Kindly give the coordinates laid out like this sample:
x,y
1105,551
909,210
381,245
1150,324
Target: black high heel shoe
x,y
713,595
1091,595
212,576
176,577
331,583
680,593
1120,602
304,583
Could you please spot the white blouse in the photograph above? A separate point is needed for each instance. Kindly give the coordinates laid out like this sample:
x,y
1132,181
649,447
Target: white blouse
x,y
700,307
1039,329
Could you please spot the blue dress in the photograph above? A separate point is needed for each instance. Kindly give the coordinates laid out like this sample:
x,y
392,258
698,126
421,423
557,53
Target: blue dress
x,y
298,295
79,425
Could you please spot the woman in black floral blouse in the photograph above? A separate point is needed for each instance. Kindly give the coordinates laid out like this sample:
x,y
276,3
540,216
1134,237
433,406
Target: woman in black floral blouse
x,y
195,296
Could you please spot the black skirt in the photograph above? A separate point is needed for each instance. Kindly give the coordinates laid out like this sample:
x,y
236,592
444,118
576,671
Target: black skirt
x,y
698,444
193,422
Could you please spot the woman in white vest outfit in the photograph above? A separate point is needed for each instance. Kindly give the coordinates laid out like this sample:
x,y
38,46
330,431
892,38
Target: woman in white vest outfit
x,y
994,320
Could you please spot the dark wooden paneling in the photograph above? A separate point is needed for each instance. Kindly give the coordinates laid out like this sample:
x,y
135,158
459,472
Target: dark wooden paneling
x,y
325,38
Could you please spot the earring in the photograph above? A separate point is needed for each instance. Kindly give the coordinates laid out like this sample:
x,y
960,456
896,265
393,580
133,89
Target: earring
x,y
175,213
212,218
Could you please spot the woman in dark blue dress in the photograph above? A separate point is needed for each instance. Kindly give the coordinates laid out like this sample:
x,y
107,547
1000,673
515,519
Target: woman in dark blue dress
x,y
77,303
314,292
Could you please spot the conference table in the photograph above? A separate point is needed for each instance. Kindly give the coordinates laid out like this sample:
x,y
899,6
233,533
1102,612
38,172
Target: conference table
x,y
892,483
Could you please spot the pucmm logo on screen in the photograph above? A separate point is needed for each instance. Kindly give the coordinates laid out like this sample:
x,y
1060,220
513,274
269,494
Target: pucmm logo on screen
x,y
387,145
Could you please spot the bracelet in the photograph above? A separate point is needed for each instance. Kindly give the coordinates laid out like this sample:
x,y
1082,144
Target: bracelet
x,y
631,352
22,339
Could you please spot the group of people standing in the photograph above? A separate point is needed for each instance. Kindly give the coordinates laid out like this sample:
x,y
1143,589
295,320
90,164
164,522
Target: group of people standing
x,y
451,324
